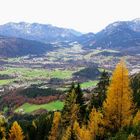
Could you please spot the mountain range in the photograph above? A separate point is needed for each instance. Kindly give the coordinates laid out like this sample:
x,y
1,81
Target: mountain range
x,y
124,35
121,35
39,32
25,38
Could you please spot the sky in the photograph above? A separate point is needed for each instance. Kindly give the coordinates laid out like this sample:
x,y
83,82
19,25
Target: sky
x,y
82,15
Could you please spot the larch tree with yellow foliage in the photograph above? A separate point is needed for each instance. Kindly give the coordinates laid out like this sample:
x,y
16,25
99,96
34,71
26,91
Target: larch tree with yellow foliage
x,y
82,133
69,130
118,105
95,124
3,127
67,134
16,132
136,120
93,129
54,130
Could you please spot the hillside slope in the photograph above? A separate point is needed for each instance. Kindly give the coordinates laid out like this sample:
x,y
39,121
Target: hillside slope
x,y
13,47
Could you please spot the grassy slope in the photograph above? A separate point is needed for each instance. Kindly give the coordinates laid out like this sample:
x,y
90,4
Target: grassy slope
x,y
28,108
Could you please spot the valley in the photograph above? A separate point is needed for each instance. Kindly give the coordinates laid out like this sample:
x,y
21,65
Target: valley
x,y
51,65
56,70
69,70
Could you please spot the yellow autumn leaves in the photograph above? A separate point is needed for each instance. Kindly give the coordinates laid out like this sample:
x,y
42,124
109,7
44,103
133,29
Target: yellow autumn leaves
x,y
15,132
118,106
93,128
117,110
54,130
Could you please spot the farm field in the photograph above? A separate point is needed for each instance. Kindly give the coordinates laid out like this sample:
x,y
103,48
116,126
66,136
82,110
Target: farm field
x,y
28,108
56,70
89,84
28,74
34,73
5,82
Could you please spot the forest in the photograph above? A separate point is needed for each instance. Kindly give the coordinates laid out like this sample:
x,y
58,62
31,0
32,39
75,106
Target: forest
x,y
113,113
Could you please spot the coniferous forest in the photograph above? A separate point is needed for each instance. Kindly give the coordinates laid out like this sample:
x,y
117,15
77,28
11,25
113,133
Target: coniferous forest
x,y
112,113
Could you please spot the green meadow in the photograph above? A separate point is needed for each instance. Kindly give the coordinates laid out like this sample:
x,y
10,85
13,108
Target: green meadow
x,y
31,74
89,84
28,108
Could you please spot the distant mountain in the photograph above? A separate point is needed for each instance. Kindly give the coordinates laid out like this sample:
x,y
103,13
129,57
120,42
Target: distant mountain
x,y
87,40
122,35
39,32
13,47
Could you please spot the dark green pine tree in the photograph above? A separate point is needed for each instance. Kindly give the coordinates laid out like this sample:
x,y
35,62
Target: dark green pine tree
x,y
79,99
74,109
69,113
100,90
80,102
43,126
70,101
71,87
135,84
31,132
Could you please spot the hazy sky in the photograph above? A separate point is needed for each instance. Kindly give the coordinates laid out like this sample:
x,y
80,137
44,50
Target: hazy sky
x,y
83,15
